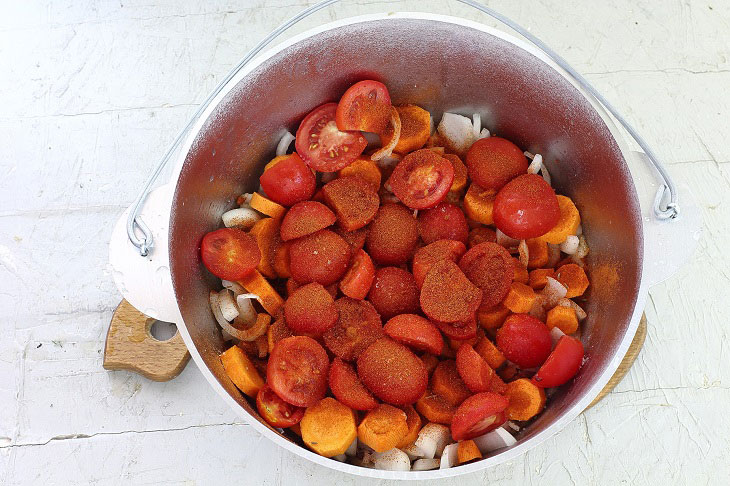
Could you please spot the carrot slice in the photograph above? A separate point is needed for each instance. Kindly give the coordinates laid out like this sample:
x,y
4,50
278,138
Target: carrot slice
x,y
435,408
574,278
521,275
328,427
492,318
414,131
520,298
490,353
479,204
460,173
276,332
563,318
266,232
414,422
267,296
466,451
538,253
267,206
363,168
241,370
446,382
383,428
538,277
525,399
297,429
566,225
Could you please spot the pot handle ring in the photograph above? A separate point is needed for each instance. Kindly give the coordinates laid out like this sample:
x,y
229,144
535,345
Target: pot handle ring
x,y
666,205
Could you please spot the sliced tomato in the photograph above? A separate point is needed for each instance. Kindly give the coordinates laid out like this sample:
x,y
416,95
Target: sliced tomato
x,y
229,253
443,222
489,267
288,180
364,106
276,411
524,340
475,372
481,234
358,326
297,370
562,364
392,372
458,330
356,239
394,292
416,332
321,257
493,162
322,146
425,257
448,296
477,415
526,207
305,218
422,179
310,309
347,387
359,277
393,235
353,199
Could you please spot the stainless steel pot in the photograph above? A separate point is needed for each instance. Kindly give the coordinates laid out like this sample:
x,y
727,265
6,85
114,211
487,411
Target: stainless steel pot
x,y
442,64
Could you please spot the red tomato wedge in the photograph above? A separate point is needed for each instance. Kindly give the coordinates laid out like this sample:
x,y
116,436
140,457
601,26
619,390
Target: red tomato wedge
x,y
365,106
358,326
305,218
493,162
393,292
477,415
229,253
448,296
526,207
276,411
392,372
489,267
562,364
353,199
524,340
310,310
288,180
422,179
459,330
474,371
425,257
347,387
321,257
322,146
356,239
393,235
416,332
443,222
359,277
297,370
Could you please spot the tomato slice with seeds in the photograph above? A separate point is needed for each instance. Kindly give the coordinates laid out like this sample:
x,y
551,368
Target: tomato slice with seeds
x,y
425,257
276,411
524,340
230,253
489,267
443,222
422,179
322,146
526,207
359,277
365,106
477,415
392,372
297,371
305,218
416,332
358,326
562,364
347,387
394,292
288,180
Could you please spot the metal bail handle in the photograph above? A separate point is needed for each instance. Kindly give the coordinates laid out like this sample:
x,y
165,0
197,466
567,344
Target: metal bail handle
x,y
667,211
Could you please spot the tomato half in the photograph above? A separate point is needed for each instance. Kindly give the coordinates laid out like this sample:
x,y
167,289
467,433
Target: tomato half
x,y
321,257
416,332
393,235
562,364
422,179
358,326
347,387
426,256
475,372
477,415
494,161
489,267
353,199
526,207
364,106
443,222
229,253
524,340
459,330
359,277
276,411
288,180
310,309
394,292
448,296
322,146
305,218
392,372
297,370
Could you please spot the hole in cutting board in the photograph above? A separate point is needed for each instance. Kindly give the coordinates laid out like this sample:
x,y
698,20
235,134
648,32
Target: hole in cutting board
x,y
161,330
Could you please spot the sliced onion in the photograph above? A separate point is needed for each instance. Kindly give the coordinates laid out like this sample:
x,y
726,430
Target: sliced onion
x,y
506,241
529,155
241,218
284,143
392,460
246,312
246,200
538,308
535,165
389,161
476,120
552,293
425,464
555,335
570,245
340,457
388,149
234,287
432,439
457,130
216,308
546,175
352,448
250,334
412,451
579,230
484,134
511,425
496,439
227,305
583,249
524,252
450,457
553,255
579,312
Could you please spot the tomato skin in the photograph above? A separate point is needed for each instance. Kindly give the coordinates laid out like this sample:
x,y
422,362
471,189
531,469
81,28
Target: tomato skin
x,y
358,326
562,364
474,371
229,253
322,146
297,371
422,179
443,222
359,277
416,332
489,267
524,340
494,161
392,372
347,387
526,207
365,106
289,181
276,411
310,309
321,257
305,218
425,257
393,292
458,330
393,235
354,201
469,419
448,296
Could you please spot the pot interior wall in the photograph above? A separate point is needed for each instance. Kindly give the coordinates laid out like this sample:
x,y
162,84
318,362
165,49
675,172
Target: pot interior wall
x,y
442,67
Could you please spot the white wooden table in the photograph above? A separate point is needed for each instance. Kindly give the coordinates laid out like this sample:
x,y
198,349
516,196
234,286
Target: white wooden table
x,y
92,92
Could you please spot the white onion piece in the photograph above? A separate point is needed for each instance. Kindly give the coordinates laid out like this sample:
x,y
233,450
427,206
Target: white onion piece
x,y
579,312
234,287
412,451
389,161
328,177
352,448
484,133
535,165
228,337
450,457
432,439
246,200
552,293
228,307
496,439
340,457
553,255
511,425
387,151
524,252
579,230
583,249
506,241
457,130
241,218
425,464
529,155
246,312
216,308
392,460
284,143
476,120
555,335
546,175
538,309
570,245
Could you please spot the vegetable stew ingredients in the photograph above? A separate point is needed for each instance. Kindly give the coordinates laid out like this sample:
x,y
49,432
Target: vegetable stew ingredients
x,y
526,207
358,326
310,310
477,415
393,235
229,253
347,387
392,372
383,428
359,277
241,371
305,218
422,179
288,180
276,411
394,292
525,399
416,332
297,371
321,257
495,161
562,364
524,340
354,201
442,222
322,145
328,427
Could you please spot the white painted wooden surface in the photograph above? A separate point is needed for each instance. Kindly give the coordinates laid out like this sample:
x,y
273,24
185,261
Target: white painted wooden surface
x,y
92,91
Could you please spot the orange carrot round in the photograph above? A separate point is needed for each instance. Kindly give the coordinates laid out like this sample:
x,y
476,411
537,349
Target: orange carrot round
x,y
241,370
446,382
564,318
525,399
414,422
479,204
466,451
574,278
415,129
266,232
566,225
383,428
490,353
363,168
538,277
493,317
328,427
520,298
267,206
435,408
538,253
267,296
